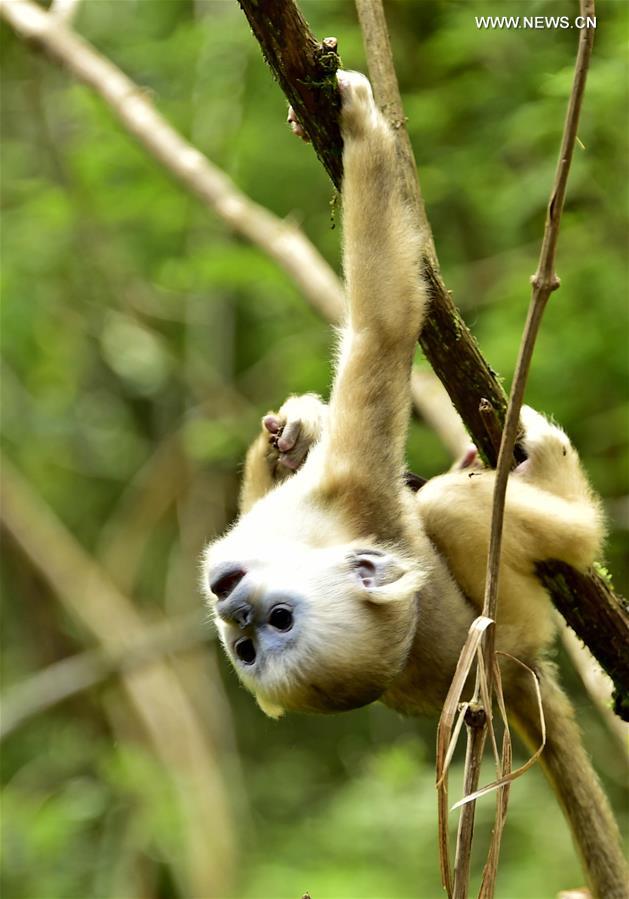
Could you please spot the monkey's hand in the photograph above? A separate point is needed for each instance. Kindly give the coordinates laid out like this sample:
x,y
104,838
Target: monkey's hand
x,y
359,113
282,446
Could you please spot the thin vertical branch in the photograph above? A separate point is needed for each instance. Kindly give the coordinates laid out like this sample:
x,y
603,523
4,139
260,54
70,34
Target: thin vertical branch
x,y
476,732
544,282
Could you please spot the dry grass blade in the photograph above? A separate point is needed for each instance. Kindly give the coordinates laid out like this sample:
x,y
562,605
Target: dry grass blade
x,y
454,739
442,831
451,704
513,775
447,735
487,703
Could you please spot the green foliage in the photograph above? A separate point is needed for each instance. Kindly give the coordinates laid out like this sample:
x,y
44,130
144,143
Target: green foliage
x,y
387,810
142,341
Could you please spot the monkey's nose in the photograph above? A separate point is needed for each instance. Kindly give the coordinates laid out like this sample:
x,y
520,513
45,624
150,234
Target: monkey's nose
x,y
236,611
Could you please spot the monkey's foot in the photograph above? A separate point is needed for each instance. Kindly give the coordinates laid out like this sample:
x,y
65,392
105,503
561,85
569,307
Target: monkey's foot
x,y
288,440
543,441
293,430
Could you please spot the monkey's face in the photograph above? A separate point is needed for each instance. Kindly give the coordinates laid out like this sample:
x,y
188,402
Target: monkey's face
x,y
313,628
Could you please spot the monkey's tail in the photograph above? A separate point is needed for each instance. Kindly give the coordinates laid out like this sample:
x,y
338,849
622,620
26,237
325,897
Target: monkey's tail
x,y
567,766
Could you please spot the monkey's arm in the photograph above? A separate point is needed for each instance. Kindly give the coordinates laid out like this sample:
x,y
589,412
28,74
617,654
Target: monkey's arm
x,y
282,446
362,453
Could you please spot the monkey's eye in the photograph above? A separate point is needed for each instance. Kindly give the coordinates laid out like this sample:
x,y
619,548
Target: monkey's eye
x,y
225,583
246,651
281,618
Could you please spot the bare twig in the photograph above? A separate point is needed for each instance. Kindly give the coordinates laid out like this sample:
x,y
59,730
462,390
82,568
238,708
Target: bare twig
x,y
596,683
160,703
281,240
70,676
65,10
544,282
476,732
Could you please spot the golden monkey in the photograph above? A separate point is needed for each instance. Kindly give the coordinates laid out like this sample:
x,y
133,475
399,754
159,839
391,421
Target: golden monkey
x,y
338,585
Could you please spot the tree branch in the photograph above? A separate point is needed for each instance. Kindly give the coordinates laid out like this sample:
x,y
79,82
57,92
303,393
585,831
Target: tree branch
x,y
156,693
61,680
281,240
599,617
305,69
545,281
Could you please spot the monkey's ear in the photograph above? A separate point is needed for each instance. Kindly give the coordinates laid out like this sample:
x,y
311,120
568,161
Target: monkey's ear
x,y
273,711
384,577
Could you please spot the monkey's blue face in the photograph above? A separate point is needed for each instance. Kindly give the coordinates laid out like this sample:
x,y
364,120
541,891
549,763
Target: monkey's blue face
x,y
256,622
311,628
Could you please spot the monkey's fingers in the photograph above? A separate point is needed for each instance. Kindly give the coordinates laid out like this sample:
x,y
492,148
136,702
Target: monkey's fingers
x,y
290,436
272,423
293,444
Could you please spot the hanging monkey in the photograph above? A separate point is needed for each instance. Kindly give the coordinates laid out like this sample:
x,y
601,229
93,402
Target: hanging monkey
x,y
338,585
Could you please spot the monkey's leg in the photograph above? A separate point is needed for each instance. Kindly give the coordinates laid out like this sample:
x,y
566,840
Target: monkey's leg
x,y
362,454
553,463
568,767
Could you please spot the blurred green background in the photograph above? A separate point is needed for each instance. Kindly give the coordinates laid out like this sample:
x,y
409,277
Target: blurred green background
x,y
142,341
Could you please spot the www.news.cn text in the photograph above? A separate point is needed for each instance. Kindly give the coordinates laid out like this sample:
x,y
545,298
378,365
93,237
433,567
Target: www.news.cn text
x,y
534,22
